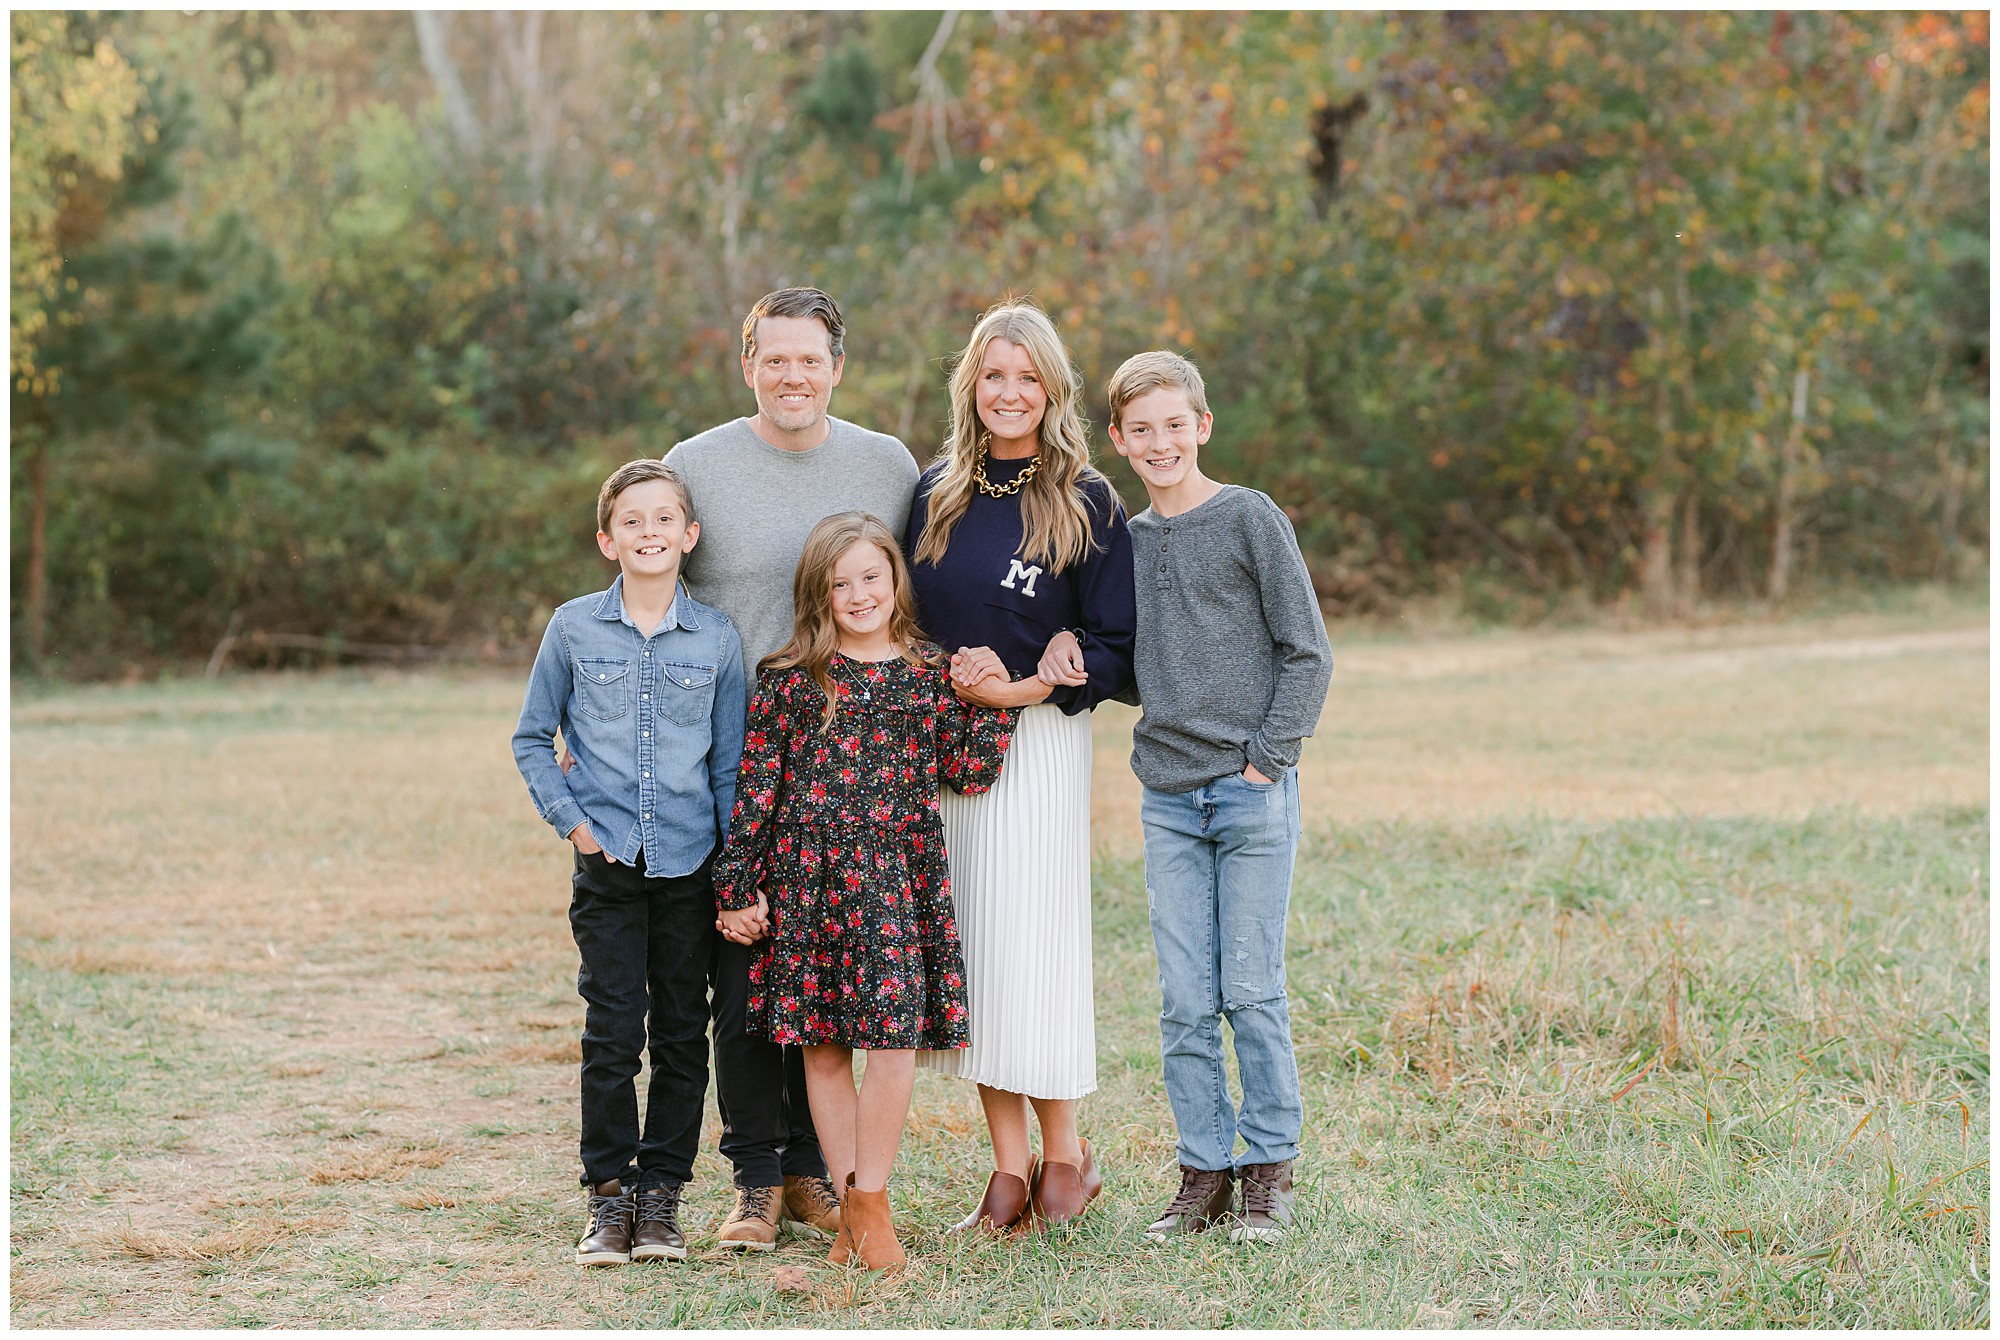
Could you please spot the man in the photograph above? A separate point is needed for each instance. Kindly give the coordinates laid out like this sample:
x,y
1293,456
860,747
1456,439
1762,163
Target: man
x,y
759,484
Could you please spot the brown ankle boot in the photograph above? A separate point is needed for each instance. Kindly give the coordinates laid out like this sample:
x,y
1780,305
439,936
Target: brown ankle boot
x,y
864,1218
843,1243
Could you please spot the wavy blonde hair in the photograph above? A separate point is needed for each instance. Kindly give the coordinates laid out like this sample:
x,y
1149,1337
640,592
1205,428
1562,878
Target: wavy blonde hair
x,y
1055,523
815,635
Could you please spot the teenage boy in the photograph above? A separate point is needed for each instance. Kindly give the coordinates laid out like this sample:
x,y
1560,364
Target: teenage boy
x,y
646,685
763,482
1232,664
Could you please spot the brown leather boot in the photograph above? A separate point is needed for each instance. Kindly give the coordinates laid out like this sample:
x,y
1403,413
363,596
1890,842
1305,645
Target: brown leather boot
x,y
1063,1190
656,1224
1267,1202
607,1239
864,1220
753,1225
1203,1200
811,1208
1005,1204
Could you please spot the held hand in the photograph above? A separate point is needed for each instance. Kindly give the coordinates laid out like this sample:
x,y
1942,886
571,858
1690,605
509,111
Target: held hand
x,y
587,844
1250,774
745,925
970,665
1062,661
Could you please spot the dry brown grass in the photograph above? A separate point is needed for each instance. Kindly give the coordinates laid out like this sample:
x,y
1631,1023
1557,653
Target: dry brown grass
x,y
381,1165
1757,719
248,1238
302,946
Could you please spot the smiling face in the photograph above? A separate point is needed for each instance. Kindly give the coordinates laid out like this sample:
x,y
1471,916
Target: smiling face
x,y
649,531
1161,435
793,371
863,596
1010,398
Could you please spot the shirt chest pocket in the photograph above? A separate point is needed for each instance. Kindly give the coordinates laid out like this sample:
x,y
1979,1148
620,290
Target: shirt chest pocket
x,y
603,687
687,692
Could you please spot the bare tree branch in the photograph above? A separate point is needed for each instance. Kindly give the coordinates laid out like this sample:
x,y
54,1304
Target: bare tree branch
x,y
929,110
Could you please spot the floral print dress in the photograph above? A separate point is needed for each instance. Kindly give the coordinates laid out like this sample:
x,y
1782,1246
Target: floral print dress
x,y
840,830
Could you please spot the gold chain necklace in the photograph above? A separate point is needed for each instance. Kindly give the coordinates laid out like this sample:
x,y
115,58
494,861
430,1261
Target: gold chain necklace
x,y
993,490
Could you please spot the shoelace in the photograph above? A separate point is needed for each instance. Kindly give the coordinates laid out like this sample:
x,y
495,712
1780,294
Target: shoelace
x,y
1258,1198
1194,1190
819,1195
754,1202
663,1208
608,1210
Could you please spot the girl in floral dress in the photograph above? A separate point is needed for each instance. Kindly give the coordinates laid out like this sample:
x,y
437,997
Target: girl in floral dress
x,y
836,860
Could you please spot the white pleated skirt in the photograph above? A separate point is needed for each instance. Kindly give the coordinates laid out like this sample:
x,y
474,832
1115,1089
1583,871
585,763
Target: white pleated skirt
x,y
1020,888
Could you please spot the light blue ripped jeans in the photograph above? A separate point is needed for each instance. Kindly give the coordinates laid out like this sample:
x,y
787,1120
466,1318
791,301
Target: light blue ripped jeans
x,y
1218,886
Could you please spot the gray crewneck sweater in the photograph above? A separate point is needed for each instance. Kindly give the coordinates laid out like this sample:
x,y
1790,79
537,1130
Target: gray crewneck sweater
x,y
756,502
1232,660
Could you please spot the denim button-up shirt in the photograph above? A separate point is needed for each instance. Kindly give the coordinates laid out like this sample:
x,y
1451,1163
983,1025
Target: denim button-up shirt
x,y
655,725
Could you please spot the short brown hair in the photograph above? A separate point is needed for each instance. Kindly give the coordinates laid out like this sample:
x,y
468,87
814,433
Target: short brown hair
x,y
804,302
1150,371
639,472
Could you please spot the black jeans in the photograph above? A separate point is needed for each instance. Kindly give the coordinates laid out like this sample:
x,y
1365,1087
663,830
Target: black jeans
x,y
646,945
760,1087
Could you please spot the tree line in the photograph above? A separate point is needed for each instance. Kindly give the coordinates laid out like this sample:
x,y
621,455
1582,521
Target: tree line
x,y
326,325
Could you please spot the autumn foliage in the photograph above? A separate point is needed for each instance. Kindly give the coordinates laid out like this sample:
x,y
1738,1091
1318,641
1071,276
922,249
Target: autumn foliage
x,y
1534,307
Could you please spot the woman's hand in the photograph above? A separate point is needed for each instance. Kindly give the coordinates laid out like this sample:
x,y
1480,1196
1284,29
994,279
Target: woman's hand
x,y
1062,661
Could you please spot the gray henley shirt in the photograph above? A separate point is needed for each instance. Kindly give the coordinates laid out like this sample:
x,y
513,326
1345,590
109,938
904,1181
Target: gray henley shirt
x,y
756,502
1232,659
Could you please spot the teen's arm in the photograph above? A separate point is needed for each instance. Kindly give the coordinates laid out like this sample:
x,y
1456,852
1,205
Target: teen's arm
x,y
1298,636
1107,612
979,678
535,738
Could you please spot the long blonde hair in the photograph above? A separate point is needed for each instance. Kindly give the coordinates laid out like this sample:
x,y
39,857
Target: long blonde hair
x,y
1055,523
815,635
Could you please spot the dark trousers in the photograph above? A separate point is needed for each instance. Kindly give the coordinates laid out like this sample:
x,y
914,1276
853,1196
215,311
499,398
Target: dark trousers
x,y
767,1128
646,945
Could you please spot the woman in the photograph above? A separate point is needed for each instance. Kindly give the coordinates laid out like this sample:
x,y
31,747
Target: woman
x,y
1014,538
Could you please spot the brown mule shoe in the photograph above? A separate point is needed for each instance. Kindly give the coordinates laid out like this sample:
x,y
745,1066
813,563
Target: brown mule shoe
x,y
1063,1190
1202,1201
864,1222
1005,1204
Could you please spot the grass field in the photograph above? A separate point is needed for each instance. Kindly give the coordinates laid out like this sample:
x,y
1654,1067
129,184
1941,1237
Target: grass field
x,y
1637,979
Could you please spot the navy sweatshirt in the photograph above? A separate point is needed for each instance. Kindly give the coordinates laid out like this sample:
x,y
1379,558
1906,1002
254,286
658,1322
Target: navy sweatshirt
x,y
982,593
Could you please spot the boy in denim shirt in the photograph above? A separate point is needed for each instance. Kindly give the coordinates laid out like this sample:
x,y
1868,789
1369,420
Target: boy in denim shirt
x,y
646,685
1232,664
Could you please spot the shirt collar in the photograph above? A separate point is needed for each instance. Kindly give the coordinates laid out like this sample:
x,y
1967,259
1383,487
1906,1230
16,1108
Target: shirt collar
x,y
611,607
